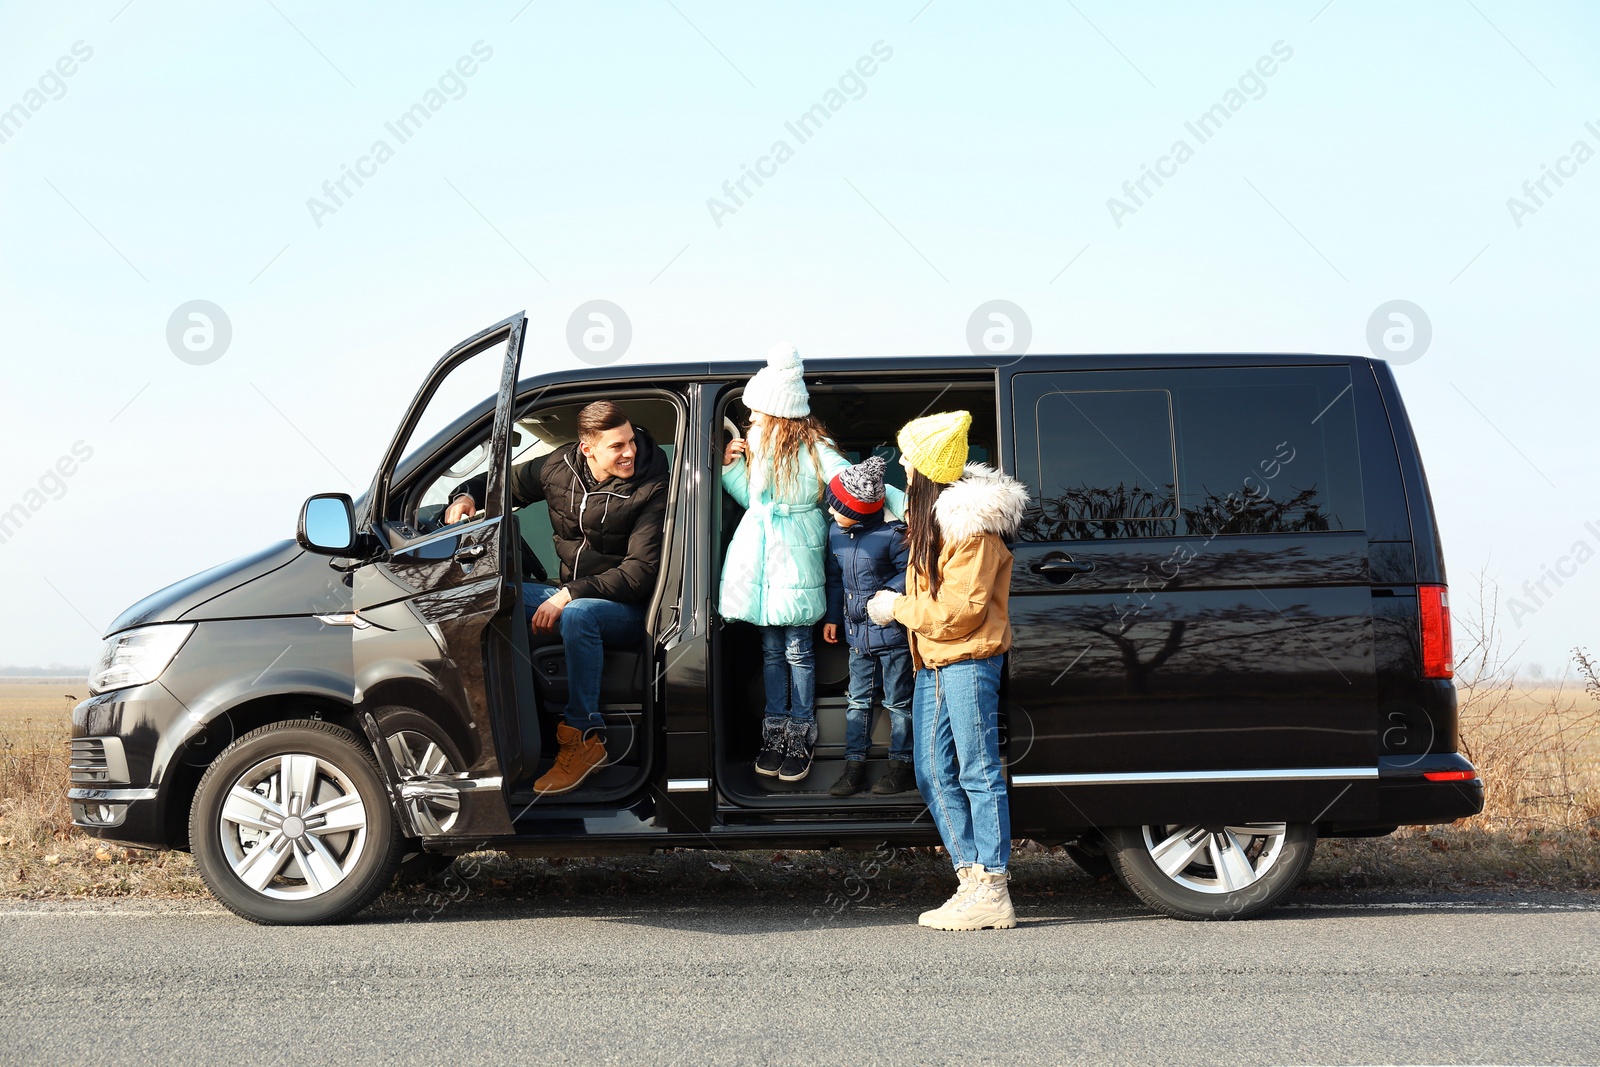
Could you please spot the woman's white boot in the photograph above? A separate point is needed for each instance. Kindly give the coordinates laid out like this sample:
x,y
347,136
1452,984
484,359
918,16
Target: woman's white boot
x,y
985,904
964,877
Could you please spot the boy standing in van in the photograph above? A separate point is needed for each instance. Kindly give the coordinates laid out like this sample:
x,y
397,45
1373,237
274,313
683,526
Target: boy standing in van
x,y
866,554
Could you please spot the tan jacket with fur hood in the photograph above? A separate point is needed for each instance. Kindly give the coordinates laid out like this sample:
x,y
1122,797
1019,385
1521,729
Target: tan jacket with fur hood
x,y
969,618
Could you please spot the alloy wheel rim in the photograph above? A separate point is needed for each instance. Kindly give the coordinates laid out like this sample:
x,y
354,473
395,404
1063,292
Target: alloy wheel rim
x,y
293,826
1228,860
417,756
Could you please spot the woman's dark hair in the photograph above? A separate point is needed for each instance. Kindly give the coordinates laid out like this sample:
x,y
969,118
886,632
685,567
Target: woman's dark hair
x,y
923,535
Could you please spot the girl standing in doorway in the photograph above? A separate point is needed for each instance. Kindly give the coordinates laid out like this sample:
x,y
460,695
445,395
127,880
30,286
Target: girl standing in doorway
x,y
773,574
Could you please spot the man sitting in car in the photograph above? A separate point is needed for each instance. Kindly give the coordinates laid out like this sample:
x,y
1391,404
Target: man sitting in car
x,y
607,493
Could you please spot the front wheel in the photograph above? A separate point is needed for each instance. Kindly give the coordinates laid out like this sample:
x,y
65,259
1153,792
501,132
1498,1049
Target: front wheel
x,y
1211,872
291,824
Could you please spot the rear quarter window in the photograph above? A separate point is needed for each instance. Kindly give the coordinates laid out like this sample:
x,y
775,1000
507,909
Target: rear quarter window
x,y
1188,452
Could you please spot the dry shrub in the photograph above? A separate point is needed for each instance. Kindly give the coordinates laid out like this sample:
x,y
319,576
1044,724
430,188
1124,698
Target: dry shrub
x,y
42,855
1537,749
33,776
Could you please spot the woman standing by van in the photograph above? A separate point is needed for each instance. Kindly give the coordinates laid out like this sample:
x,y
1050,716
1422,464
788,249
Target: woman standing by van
x,y
773,573
955,611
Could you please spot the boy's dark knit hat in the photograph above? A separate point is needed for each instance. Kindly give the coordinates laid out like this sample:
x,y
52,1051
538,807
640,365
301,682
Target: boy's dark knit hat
x,y
857,492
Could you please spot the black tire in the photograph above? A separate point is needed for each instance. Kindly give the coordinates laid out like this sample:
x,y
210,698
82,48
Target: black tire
x,y
296,768
1091,858
419,868
1269,865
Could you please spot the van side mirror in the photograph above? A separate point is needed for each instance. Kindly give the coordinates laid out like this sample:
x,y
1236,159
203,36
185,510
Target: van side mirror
x,y
327,524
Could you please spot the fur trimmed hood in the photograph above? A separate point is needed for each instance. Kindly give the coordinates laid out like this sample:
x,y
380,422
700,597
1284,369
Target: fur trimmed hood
x,y
981,501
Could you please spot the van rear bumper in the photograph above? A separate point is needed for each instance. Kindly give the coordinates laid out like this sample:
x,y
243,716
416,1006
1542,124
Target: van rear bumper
x,y
1407,796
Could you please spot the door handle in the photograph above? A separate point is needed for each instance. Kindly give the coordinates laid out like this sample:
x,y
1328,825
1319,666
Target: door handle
x,y
469,553
1060,569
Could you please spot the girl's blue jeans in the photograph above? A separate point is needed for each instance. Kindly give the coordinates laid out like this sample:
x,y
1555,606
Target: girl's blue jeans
x,y
789,672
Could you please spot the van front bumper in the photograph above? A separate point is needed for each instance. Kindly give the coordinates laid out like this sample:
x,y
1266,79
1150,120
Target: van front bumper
x,y
120,744
103,809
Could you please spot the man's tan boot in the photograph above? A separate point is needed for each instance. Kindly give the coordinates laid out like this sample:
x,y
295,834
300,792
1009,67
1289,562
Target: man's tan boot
x,y
986,905
929,918
581,754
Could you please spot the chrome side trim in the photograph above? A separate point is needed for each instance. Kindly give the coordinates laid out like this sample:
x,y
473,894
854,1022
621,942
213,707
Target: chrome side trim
x,y
688,785
344,618
1280,774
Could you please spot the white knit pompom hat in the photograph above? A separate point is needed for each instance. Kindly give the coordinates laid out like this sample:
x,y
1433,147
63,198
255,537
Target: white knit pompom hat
x,y
779,388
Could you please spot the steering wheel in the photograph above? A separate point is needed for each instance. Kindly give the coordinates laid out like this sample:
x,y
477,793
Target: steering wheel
x,y
430,518
532,565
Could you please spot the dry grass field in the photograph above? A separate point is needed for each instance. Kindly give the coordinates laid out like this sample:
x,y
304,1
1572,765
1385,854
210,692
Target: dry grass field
x,y
1538,750
41,855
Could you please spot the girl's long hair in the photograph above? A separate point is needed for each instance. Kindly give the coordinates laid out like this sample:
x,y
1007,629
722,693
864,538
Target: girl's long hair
x,y
785,439
923,535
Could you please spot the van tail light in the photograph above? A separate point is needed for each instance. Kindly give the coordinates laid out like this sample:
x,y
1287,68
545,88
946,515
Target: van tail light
x,y
1438,658
1449,776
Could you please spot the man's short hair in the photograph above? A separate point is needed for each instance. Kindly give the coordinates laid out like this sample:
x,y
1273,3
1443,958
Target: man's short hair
x,y
598,417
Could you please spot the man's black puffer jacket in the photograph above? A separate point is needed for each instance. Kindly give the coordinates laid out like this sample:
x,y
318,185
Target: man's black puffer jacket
x,y
608,537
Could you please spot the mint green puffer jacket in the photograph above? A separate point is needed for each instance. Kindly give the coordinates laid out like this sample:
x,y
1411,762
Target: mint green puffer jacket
x,y
773,572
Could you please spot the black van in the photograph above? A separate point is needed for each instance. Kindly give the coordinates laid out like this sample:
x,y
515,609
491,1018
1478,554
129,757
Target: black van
x,y
1231,631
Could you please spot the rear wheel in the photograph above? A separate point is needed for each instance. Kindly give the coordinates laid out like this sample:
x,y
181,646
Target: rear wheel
x,y
1211,872
291,824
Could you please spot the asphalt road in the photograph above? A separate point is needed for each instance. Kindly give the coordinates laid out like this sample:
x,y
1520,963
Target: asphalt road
x,y
1086,978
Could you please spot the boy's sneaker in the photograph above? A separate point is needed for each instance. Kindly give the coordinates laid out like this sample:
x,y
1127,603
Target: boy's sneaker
x,y
771,757
798,737
902,776
986,905
851,781
932,917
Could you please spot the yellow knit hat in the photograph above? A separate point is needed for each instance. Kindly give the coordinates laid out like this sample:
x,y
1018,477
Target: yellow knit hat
x,y
936,444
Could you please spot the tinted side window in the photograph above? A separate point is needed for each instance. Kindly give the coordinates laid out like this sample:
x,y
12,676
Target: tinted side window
x,y
1188,452
1106,465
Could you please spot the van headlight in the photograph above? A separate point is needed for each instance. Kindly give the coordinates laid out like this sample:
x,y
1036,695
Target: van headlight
x,y
137,657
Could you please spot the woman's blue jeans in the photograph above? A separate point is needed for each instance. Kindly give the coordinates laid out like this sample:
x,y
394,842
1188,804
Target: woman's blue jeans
x,y
789,672
956,716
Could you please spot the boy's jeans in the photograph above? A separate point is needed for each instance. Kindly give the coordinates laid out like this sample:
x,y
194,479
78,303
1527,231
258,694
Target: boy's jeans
x,y
586,627
789,672
894,664
956,712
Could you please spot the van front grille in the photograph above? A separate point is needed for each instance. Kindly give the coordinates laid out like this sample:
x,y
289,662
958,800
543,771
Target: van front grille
x,y
97,761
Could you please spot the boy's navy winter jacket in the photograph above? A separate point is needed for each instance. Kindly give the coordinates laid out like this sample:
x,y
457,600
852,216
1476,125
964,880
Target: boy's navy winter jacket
x,y
861,560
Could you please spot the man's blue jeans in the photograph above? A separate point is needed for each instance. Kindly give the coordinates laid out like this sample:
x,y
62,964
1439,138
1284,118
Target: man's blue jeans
x,y
789,672
586,627
894,664
957,715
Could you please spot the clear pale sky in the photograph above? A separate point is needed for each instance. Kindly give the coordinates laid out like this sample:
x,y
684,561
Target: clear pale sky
x,y
177,159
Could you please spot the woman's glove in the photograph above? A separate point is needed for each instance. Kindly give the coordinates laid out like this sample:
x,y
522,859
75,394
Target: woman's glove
x,y
880,609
